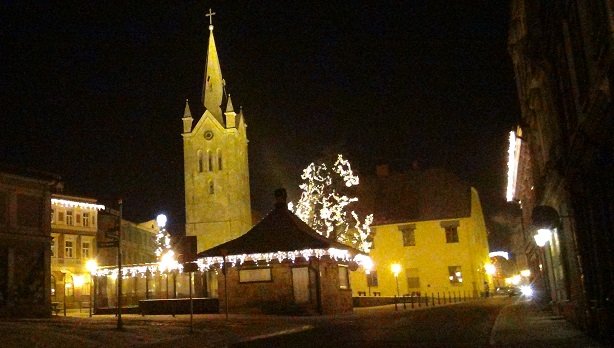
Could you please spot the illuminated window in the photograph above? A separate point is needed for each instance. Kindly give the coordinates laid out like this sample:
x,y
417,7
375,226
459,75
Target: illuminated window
x,y
372,279
69,248
85,249
52,216
413,278
344,279
455,275
69,219
86,219
409,234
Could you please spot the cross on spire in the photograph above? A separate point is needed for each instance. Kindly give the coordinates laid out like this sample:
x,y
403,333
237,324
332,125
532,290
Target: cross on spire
x,y
210,15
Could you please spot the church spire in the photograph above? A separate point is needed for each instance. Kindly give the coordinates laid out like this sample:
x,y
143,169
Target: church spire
x,y
231,115
213,85
187,118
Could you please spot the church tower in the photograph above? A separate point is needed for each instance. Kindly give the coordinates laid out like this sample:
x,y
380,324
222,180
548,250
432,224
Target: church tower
x,y
216,171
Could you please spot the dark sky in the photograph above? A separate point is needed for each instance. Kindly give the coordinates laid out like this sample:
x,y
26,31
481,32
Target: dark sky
x,y
95,91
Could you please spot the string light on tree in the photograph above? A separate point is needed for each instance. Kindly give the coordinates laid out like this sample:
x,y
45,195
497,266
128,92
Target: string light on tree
x,y
325,208
163,239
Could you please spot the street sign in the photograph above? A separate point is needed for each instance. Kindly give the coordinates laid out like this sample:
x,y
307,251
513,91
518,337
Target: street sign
x,y
111,244
111,211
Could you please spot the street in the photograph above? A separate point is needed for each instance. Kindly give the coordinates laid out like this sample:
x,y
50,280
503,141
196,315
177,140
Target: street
x,y
460,325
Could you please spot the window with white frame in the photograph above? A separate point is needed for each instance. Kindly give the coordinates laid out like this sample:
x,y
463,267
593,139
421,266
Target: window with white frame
x,y
86,219
69,218
455,275
451,229
69,249
86,249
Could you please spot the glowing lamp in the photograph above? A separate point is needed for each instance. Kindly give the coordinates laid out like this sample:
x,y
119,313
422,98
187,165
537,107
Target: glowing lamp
x,y
525,273
78,281
91,266
161,220
396,269
542,237
490,269
526,290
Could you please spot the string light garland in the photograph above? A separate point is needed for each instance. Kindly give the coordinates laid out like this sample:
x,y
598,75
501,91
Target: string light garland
x,y
75,204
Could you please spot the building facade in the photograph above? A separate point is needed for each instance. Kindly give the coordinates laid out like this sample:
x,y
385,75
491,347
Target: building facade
x,y
562,53
74,225
431,226
216,173
25,242
138,241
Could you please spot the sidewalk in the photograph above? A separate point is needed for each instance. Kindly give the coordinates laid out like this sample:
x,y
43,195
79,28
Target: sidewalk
x,y
524,324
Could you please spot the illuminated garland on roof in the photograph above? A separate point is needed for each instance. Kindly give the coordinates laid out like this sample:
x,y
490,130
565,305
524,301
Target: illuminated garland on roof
x,y
208,263
73,204
513,153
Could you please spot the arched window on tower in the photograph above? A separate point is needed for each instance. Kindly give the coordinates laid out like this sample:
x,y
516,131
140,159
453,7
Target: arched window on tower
x,y
219,159
209,161
211,187
200,161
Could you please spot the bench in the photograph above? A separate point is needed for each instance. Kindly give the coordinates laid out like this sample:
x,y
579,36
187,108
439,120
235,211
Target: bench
x,y
55,308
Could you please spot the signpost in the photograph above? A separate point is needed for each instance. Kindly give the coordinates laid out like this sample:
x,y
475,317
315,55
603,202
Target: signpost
x,y
109,244
191,267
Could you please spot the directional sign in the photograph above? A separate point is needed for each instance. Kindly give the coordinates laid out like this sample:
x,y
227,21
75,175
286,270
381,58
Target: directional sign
x,y
111,244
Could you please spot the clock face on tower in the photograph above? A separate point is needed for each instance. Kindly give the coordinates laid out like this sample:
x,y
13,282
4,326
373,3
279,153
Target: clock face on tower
x,y
208,135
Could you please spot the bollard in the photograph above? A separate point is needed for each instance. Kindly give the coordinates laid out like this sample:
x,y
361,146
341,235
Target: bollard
x,y
438,298
395,303
433,299
404,301
413,298
426,300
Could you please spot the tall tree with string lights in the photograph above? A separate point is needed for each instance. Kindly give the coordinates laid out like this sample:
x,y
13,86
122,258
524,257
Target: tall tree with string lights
x,y
326,207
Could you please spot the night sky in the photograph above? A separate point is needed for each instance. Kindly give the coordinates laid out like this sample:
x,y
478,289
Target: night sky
x,y
95,91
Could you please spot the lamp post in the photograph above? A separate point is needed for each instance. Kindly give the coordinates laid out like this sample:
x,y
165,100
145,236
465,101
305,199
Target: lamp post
x,y
91,266
396,269
64,274
543,237
368,265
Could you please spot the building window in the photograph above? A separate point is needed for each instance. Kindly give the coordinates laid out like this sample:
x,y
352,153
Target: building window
x,y
78,219
254,275
69,220
60,216
413,278
455,275
209,161
86,219
451,235
53,286
69,249
53,247
200,161
219,159
409,235
211,187
85,249
52,215
344,278
451,228
372,279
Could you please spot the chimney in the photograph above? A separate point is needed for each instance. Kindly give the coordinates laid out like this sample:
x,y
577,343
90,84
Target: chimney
x,y
382,170
280,198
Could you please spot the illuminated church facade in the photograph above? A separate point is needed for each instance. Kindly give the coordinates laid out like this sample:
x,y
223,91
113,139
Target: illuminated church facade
x,y
216,170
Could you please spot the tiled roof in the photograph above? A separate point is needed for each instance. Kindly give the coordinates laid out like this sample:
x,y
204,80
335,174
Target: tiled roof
x,y
418,195
280,230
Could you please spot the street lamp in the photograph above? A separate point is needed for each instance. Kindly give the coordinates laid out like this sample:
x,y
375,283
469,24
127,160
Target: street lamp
x,y
368,265
396,269
542,237
91,266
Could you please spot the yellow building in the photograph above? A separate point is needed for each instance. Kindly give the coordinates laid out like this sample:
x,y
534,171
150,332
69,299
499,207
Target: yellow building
x,y
431,225
217,196
74,224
